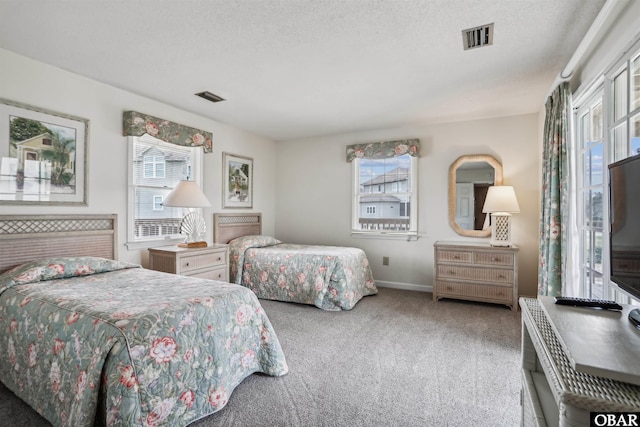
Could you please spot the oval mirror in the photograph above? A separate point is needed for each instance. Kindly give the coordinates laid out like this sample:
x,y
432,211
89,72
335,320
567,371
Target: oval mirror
x,y
469,179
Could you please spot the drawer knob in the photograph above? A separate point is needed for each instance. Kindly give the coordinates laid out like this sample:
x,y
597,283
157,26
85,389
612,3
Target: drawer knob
x,y
186,264
453,273
495,259
456,257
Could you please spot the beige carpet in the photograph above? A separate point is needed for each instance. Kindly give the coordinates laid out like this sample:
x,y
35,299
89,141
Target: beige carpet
x,y
396,359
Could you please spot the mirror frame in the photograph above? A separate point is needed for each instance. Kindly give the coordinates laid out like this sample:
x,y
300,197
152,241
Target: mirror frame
x,y
497,180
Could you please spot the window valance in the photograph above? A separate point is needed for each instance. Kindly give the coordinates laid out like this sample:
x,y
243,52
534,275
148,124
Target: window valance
x,y
137,124
383,150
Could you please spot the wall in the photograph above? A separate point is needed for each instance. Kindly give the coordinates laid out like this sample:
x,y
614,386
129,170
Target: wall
x,y
310,181
314,193
616,39
30,82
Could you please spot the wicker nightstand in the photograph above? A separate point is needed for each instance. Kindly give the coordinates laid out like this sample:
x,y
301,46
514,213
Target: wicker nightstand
x,y
208,263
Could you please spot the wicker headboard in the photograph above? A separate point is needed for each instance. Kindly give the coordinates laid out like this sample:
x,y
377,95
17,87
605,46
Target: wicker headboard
x,y
227,227
25,238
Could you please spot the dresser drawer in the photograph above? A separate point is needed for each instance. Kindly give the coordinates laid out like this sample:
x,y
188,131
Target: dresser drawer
x,y
197,262
445,255
477,274
473,291
494,258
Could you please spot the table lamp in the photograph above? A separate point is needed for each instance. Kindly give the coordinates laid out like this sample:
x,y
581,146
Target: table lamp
x,y
501,202
187,194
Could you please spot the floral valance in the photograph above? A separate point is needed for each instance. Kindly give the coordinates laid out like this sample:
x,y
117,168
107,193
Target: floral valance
x,y
137,124
383,150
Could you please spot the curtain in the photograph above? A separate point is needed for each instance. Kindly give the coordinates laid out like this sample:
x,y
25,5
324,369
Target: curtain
x,y
383,150
555,195
137,124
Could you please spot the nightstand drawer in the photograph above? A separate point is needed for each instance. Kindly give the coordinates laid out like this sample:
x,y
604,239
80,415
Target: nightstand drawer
x,y
197,262
219,273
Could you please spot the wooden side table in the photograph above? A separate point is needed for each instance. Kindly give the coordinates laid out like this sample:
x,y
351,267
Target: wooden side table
x,y
211,262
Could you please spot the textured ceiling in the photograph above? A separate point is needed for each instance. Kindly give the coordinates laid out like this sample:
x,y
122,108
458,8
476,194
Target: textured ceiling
x,y
292,69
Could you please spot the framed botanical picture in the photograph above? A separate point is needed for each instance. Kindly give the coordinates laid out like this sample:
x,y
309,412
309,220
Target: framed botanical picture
x,y
43,156
237,191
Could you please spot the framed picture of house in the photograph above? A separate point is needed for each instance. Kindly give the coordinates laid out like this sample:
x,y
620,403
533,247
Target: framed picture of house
x,y
43,156
237,191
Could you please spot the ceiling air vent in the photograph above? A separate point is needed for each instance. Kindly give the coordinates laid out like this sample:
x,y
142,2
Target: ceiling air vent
x,y
477,37
210,96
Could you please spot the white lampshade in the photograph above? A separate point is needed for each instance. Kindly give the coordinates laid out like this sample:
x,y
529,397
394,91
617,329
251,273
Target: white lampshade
x,y
186,194
501,198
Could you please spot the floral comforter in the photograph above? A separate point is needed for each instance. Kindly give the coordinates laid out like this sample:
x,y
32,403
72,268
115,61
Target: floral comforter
x,y
89,339
329,277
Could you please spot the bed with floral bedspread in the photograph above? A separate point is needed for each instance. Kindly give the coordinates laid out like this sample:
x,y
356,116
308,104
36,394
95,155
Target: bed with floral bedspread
x,y
90,340
329,277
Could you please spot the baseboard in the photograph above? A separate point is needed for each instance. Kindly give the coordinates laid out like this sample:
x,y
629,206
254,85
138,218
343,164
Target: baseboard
x,y
405,286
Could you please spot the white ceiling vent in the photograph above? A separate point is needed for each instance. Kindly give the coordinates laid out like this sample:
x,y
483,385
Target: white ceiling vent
x,y
477,37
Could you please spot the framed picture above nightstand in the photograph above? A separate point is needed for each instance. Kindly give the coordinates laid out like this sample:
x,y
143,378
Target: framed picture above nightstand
x,y
211,262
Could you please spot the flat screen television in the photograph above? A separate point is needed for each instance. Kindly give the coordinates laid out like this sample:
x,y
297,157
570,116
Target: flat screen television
x,y
624,227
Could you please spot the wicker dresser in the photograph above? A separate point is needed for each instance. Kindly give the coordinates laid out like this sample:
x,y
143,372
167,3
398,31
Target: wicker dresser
x,y
476,271
558,352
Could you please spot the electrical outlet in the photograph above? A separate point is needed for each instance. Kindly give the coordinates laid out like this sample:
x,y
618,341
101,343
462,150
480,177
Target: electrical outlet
x,y
385,260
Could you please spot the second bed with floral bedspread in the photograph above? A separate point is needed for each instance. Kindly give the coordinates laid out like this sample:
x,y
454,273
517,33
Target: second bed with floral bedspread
x,y
329,277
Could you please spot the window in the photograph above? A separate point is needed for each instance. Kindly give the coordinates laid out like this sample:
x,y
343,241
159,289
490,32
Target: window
x,y
591,190
154,166
385,196
154,169
157,203
607,130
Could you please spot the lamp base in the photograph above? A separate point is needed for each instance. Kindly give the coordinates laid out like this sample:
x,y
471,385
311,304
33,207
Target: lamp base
x,y
193,245
501,229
